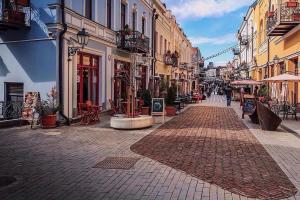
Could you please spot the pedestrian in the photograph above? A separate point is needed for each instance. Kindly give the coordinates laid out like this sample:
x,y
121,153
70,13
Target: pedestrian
x,y
255,92
228,92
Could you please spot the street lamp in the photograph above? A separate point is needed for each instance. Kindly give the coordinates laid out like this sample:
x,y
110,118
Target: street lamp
x,y
82,40
276,60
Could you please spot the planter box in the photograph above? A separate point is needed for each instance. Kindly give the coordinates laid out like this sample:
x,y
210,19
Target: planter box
x,y
296,17
170,111
291,4
145,111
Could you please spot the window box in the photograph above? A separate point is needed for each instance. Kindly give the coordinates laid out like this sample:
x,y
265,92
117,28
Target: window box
x,y
291,4
296,17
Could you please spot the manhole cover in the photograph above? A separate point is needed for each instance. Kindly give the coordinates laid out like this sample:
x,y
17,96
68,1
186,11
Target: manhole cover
x,y
117,163
6,180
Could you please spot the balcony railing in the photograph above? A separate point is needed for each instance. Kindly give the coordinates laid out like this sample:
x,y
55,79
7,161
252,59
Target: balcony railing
x,y
171,59
10,110
283,19
133,41
15,14
168,59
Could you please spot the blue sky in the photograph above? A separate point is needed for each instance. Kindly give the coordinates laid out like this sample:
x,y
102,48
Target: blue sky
x,y
210,24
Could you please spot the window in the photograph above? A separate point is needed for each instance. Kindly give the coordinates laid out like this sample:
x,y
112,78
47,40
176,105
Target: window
x,y
161,45
166,46
143,25
133,20
14,92
156,41
123,16
109,7
88,9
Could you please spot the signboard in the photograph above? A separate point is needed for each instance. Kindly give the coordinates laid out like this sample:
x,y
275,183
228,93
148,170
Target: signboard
x,y
32,100
249,105
158,107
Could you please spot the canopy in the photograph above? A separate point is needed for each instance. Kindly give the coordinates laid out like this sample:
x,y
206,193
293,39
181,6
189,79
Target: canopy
x,y
283,78
245,82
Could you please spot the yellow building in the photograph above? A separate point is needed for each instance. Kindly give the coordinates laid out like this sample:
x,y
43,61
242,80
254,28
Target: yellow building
x,y
173,51
277,41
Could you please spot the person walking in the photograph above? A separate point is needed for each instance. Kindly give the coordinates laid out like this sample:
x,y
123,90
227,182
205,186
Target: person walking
x,y
228,92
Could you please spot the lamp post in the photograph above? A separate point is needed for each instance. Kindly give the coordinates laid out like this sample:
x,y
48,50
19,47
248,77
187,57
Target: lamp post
x,y
82,38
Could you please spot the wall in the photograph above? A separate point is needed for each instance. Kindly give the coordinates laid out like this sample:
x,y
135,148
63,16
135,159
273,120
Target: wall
x,y
34,63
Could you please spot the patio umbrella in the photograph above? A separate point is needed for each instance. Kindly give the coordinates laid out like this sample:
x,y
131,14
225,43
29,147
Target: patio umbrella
x,y
283,77
245,82
273,91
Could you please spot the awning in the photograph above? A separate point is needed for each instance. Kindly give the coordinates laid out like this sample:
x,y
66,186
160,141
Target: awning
x,y
245,82
283,78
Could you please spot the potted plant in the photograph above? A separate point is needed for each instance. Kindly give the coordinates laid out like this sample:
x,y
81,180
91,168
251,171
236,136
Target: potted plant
x,y
127,30
146,96
48,110
171,97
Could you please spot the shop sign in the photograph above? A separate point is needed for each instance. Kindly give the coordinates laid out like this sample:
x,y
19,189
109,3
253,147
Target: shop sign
x,y
158,107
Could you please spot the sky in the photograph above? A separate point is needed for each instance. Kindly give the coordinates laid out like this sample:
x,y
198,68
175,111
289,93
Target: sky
x,y
211,25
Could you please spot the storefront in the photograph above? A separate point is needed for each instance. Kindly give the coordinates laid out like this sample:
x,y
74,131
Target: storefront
x,y
88,78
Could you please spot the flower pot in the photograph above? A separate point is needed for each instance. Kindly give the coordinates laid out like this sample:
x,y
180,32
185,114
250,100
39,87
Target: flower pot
x,y
296,17
48,121
170,111
291,4
145,110
270,14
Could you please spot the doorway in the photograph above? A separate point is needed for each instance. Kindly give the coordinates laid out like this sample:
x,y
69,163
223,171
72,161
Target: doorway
x,y
87,78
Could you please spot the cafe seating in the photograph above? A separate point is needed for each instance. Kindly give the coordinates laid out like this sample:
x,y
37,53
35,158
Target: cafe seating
x,y
89,113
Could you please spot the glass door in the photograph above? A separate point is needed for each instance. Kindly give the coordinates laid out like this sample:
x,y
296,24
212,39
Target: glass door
x,y
87,78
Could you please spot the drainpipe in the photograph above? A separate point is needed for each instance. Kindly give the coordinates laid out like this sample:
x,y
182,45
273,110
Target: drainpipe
x,y
61,60
154,17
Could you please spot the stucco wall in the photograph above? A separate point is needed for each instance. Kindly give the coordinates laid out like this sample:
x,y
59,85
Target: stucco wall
x,y
32,63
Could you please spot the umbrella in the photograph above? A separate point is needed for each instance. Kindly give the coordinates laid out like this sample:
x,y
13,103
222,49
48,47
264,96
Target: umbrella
x,y
245,82
283,77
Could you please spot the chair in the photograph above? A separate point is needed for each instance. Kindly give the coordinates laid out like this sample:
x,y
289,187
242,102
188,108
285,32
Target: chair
x,y
84,113
114,108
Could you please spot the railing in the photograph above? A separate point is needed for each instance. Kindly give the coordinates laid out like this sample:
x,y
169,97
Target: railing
x,y
133,41
10,110
15,14
168,59
287,14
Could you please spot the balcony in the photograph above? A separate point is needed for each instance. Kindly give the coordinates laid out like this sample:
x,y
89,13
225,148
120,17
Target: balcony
x,y
283,19
15,14
133,41
236,51
168,59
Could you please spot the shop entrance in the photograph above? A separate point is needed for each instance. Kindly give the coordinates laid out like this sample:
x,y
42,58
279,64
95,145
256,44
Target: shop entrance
x,y
87,78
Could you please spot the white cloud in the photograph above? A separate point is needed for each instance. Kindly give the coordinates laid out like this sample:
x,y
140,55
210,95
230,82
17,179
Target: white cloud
x,y
206,8
225,39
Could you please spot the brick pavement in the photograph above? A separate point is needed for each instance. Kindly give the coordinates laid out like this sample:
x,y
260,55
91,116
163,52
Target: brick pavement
x,y
211,144
58,164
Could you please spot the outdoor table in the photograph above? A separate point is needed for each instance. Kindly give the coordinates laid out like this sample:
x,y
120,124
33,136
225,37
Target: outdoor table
x,y
178,104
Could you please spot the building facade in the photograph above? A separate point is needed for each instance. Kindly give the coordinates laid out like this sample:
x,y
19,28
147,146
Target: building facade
x,y
275,47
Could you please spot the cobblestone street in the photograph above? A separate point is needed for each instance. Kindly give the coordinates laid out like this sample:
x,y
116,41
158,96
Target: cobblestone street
x,y
59,164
